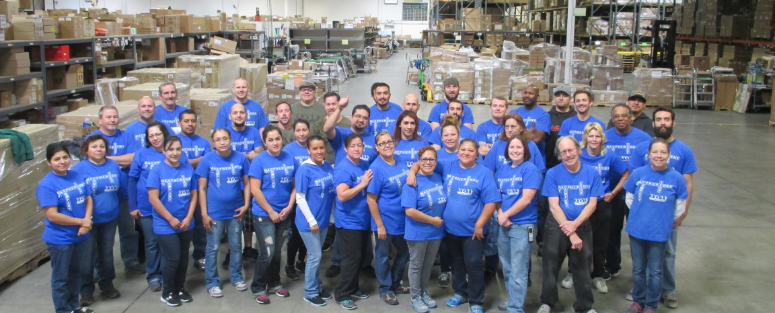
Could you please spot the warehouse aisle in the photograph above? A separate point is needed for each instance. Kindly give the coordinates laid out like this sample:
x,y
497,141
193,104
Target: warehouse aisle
x,y
725,250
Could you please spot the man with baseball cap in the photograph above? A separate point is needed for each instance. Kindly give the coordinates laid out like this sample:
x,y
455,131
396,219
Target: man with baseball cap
x,y
451,91
308,107
637,102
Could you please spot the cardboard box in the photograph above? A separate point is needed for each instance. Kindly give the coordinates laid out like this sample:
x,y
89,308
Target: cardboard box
x,y
152,90
29,91
725,87
9,8
7,98
223,44
71,27
700,63
75,104
154,49
71,123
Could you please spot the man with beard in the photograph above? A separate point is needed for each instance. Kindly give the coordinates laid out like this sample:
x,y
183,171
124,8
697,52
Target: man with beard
x,y
637,102
359,123
487,133
121,148
169,111
246,140
195,147
572,189
451,91
147,109
681,160
256,117
412,103
536,120
384,113
285,121
308,108
456,113
574,126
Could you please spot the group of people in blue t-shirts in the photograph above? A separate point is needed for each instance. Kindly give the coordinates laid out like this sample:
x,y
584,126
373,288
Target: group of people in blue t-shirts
x,y
392,195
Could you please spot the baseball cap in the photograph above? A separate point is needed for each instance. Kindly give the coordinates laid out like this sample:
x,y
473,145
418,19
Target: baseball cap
x,y
451,81
308,84
563,89
637,94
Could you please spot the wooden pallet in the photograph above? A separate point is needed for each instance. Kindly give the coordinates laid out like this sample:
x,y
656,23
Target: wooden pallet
x,y
27,267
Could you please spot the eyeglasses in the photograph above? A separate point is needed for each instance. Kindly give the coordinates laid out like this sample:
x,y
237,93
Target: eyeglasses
x,y
307,90
360,117
385,143
428,160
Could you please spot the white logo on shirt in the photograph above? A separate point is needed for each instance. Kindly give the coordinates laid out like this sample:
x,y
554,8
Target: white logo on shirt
x,y
428,192
563,189
271,171
657,198
322,183
600,168
65,193
110,176
397,179
660,185
182,179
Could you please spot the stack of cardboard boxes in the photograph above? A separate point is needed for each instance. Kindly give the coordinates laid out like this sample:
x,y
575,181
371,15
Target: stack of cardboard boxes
x,y
763,18
218,71
71,123
50,28
159,75
145,24
29,91
28,28
108,90
731,26
65,78
8,9
686,16
255,75
206,103
14,61
220,45
656,84
152,90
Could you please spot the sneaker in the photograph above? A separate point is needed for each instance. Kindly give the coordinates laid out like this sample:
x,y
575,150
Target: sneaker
x,y
226,261
84,309
200,264
444,278
456,300
429,302
615,274
290,272
282,292
419,305
155,286
634,308
599,284
476,309
241,286
348,305
390,299
567,282
262,298
325,294
591,311
327,246
136,269
368,271
333,271
545,308
316,301
628,296
360,295
249,253
606,275
170,299
86,299
503,306
215,292
670,300
110,292
301,266
401,290
185,296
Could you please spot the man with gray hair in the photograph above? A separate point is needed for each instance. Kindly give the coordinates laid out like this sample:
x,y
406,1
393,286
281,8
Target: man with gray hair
x,y
256,117
168,111
147,109
121,148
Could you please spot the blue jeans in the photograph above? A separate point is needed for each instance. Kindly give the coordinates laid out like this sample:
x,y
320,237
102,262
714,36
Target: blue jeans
x,y
103,235
271,237
668,271
233,230
467,266
153,258
175,248
128,238
314,243
68,265
647,261
199,241
389,277
514,250
336,255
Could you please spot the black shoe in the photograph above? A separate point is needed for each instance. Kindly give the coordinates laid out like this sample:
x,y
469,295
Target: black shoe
x,y
136,269
325,294
317,301
529,282
333,271
540,252
368,271
86,299
226,261
301,266
290,272
111,292
185,296
249,253
606,275
200,264
84,310
170,299
327,246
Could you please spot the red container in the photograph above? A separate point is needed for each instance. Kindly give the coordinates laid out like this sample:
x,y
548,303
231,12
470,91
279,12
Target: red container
x,y
58,53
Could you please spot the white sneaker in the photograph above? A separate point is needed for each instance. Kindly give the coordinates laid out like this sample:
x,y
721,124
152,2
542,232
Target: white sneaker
x,y
567,282
629,295
591,311
600,285
215,292
545,308
241,286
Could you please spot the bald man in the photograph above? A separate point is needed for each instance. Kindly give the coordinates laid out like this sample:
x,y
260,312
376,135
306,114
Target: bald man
x,y
536,119
255,115
244,139
412,103
147,109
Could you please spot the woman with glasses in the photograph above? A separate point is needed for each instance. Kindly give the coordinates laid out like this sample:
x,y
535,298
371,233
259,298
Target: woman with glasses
x,y
408,142
388,218
424,206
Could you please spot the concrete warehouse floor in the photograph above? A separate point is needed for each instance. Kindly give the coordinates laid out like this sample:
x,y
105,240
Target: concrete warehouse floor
x,y
725,249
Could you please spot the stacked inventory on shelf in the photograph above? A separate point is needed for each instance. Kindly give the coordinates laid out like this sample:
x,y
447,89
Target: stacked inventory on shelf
x,y
479,39
319,40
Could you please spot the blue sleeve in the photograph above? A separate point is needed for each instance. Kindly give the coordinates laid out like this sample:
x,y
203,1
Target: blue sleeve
x,y
131,144
637,157
468,116
550,185
631,183
409,197
618,165
434,115
490,191
596,189
544,123
262,120
301,181
338,140
682,192
256,169
134,168
426,130
132,192
564,128
436,137
46,196
203,169
481,134
194,182
154,180
442,167
245,165
690,165
535,156
531,179
342,177
490,160
221,119
375,185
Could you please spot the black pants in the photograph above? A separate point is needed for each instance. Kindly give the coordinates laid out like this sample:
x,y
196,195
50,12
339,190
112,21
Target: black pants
x,y
174,247
351,244
601,226
619,212
467,267
556,246
445,260
295,244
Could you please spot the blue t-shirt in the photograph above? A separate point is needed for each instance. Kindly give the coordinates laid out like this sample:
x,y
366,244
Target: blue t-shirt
x,y
136,130
573,189
428,197
276,174
146,159
317,185
382,120
575,127
512,181
496,157
194,146
423,130
256,116
68,193
623,146
409,150
169,118
352,214
299,153
609,167
540,118
120,143
488,132
465,133
246,140
468,190
369,153
104,182
386,184
442,155
681,157
175,185
440,109
653,209
224,183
